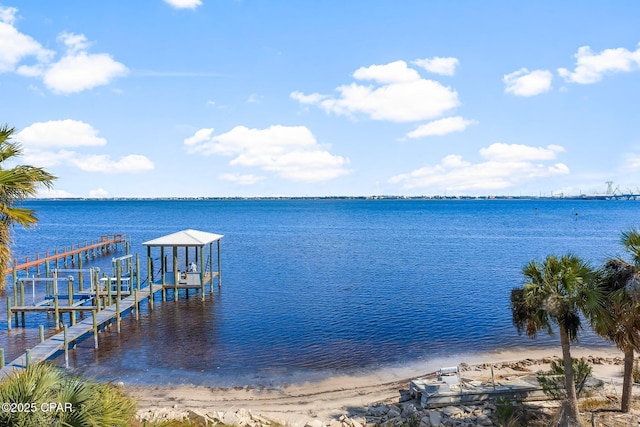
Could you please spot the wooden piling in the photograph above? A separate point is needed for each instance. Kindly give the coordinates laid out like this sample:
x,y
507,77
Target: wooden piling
x,y
118,296
21,301
27,358
9,314
176,275
41,333
66,348
202,283
80,275
94,319
1,358
56,312
219,269
138,272
136,304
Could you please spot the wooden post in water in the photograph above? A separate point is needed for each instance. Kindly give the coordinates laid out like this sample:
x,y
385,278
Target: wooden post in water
x,y
8,313
94,318
150,276
108,282
163,263
14,275
219,268
176,275
118,294
66,348
201,264
56,312
137,307
41,333
80,275
137,272
72,314
22,301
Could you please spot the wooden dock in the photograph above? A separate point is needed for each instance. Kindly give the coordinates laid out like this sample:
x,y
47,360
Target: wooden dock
x,y
106,243
122,289
73,334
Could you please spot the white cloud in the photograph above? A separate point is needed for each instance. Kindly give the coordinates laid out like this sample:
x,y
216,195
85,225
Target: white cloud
x,y
291,152
132,163
60,133
202,135
504,167
591,66
8,15
439,65
516,152
98,193
78,70
50,193
528,83
75,71
393,72
397,94
249,179
15,46
184,4
40,138
441,127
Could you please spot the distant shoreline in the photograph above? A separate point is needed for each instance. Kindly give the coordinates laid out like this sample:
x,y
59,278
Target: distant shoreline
x,y
380,197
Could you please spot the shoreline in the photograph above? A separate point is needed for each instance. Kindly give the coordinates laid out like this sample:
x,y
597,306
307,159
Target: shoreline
x,y
330,398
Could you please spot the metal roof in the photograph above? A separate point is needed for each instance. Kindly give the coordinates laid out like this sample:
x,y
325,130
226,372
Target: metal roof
x,y
185,238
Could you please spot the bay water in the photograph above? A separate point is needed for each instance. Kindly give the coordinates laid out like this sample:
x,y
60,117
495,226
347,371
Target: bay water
x,y
316,287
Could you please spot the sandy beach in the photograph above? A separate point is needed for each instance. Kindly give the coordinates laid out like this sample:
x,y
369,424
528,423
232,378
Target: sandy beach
x,y
325,401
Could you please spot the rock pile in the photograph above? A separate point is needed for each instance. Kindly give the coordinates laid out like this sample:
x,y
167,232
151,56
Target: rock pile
x,y
233,417
382,415
409,414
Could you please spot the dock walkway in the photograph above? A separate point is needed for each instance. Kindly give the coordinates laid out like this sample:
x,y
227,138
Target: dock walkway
x,y
105,243
56,343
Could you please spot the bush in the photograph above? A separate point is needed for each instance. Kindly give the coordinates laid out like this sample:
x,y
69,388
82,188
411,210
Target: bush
x,y
44,395
552,382
506,414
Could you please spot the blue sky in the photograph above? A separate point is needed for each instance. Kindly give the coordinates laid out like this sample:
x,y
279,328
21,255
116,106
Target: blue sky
x,y
202,98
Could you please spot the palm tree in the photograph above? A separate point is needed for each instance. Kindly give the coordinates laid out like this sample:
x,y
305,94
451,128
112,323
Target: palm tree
x,y
556,292
77,401
621,321
16,184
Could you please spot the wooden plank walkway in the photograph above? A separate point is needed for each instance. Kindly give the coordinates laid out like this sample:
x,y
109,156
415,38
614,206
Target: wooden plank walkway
x,y
51,346
104,242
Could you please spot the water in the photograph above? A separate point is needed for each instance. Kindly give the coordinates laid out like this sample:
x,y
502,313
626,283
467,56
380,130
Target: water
x,y
317,287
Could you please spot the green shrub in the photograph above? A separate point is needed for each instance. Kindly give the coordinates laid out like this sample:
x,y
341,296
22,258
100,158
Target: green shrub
x,y
552,381
44,395
506,413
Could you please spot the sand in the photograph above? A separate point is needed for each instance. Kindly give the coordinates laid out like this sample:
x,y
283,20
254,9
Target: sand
x,y
326,400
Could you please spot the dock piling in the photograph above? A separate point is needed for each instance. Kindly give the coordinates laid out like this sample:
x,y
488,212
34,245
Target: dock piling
x,y
56,312
9,313
41,333
118,295
94,320
66,348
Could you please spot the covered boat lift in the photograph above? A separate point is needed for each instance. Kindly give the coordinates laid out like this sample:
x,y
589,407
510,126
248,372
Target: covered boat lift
x,y
198,269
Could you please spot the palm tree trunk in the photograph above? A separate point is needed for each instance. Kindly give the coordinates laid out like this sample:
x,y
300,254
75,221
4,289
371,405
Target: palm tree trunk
x,y
5,250
569,380
627,384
